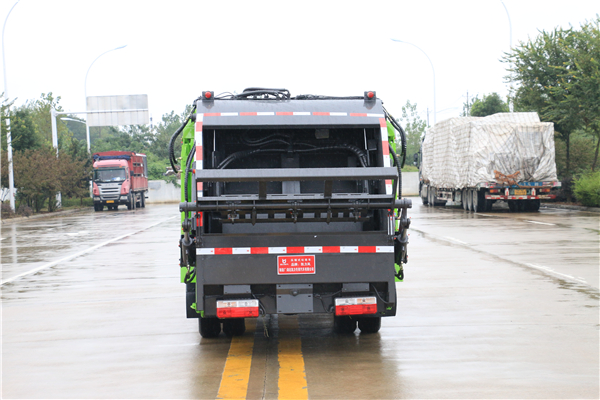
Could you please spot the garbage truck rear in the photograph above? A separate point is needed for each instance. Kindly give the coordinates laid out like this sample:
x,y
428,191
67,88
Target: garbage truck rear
x,y
291,205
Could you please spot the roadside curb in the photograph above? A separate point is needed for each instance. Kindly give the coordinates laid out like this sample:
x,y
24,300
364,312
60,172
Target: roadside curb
x,y
47,215
570,207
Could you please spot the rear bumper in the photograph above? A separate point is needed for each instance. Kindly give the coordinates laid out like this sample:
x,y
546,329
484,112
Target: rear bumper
x,y
503,197
326,267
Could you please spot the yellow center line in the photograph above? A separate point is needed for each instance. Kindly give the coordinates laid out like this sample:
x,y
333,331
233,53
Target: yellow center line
x,y
234,382
292,376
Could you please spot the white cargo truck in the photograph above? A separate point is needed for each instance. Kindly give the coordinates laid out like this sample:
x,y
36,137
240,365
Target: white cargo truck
x,y
476,161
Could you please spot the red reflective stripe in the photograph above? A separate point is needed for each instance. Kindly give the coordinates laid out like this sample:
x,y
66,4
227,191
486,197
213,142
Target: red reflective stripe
x,y
382,123
212,114
248,113
198,153
199,186
198,126
291,250
199,216
320,113
259,250
385,147
367,249
358,114
223,250
331,249
284,113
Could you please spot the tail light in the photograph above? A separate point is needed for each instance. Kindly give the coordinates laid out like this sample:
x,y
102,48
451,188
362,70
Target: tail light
x,y
545,190
355,305
494,190
237,308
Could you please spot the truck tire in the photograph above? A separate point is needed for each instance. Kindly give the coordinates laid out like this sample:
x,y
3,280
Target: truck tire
x,y
131,202
234,327
512,205
209,327
423,198
369,325
143,200
463,199
98,207
469,199
533,205
344,324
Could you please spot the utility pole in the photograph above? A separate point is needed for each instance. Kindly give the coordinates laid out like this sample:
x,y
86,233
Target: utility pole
x,y
11,179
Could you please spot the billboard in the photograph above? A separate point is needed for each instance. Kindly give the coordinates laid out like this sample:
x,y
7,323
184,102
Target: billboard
x,y
117,110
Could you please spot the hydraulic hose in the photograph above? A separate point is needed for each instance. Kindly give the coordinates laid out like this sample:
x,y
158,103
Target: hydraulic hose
x,y
397,126
172,158
187,171
395,156
244,153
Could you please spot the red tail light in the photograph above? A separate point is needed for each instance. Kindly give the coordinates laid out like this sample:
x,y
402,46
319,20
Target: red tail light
x,y
237,308
355,305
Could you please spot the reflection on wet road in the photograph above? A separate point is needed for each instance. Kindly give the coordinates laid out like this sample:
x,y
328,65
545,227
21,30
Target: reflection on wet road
x,y
494,305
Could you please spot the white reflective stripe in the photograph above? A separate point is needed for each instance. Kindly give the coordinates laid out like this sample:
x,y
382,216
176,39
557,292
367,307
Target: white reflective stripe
x,y
313,249
240,250
302,113
205,250
199,194
384,249
265,113
229,114
199,164
375,115
388,189
338,114
277,250
348,249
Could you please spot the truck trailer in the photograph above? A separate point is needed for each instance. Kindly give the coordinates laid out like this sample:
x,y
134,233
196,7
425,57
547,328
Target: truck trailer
x,y
476,161
291,205
120,177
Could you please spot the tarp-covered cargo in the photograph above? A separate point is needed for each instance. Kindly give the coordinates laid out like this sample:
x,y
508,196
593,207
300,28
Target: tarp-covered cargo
x,y
465,151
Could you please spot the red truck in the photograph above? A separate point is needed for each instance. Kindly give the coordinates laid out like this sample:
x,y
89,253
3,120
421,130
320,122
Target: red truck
x,y
120,177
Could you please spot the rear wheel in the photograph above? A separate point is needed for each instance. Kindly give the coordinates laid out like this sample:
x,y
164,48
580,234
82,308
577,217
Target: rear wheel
x,y
143,200
369,325
98,207
533,205
209,327
469,199
475,197
424,198
512,205
344,324
234,327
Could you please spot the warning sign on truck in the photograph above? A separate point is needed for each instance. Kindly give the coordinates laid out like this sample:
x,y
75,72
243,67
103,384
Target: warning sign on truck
x,y
294,265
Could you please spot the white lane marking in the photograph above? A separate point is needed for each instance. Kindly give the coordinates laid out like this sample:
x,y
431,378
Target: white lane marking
x,y
33,271
556,273
541,223
455,240
485,215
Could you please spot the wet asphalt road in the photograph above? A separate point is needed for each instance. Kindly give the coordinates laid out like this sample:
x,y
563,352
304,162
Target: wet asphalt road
x,y
494,305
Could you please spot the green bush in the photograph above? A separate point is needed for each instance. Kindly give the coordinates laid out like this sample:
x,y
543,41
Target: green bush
x,y
587,189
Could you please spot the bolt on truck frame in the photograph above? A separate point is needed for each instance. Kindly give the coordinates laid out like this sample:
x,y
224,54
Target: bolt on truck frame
x,y
290,205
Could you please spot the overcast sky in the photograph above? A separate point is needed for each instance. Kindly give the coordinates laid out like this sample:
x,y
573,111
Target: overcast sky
x,y
177,49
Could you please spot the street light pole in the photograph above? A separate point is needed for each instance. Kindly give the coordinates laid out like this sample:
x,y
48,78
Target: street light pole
x,y
432,69
510,105
87,128
11,178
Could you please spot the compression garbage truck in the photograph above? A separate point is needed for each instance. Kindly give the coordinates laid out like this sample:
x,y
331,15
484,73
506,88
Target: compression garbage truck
x,y
291,205
477,161
120,177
